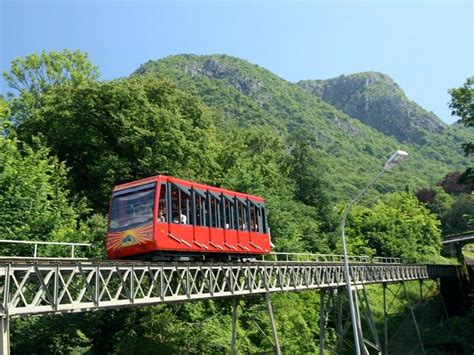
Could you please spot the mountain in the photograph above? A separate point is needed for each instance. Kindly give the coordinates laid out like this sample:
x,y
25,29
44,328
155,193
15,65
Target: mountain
x,y
376,100
246,95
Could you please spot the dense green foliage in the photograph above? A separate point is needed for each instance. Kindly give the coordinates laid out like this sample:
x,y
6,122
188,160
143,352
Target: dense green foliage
x,y
396,226
123,130
34,203
462,104
68,138
452,202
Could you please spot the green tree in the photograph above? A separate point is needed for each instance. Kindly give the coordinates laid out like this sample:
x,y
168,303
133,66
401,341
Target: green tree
x,y
462,105
34,201
4,108
308,171
33,76
460,217
118,131
396,226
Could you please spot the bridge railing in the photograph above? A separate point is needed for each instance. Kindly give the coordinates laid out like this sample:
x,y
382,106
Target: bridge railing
x,y
304,257
36,243
386,260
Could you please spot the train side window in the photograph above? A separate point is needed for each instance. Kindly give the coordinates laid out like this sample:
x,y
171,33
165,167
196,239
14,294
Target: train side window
x,y
235,215
253,217
180,204
245,216
162,204
215,209
185,209
264,219
242,214
200,206
228,212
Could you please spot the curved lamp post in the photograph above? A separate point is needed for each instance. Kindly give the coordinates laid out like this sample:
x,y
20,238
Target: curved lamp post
x,y
393,161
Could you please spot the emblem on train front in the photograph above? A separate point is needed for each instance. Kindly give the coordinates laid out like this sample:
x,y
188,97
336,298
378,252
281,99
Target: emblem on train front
x,y
130,237
129,240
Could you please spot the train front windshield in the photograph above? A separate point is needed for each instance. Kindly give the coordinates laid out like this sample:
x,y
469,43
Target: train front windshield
x,y
132,207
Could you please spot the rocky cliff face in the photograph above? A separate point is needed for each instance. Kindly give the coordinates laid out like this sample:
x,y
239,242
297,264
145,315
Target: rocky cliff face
x,y
213,68
376,100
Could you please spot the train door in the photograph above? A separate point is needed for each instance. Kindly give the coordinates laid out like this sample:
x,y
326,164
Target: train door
x,y
263,228
243,224
255,238
162,239
180,222
201,226
230,230
215,220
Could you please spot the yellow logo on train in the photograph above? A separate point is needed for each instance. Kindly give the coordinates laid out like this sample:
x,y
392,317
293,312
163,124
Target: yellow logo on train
x,y
130,237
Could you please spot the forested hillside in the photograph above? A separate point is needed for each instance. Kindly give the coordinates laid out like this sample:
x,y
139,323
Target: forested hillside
x,y
248,95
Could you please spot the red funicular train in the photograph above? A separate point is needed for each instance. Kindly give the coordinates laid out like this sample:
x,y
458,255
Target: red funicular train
x,y
163,218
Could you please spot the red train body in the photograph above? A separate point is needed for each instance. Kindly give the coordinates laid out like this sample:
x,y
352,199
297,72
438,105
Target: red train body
x,y
164,218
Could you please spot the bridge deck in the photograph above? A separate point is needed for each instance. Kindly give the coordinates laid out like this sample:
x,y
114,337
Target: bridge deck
x,y
45,288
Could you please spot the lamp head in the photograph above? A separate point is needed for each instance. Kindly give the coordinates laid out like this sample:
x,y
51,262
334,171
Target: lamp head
x,y
395,159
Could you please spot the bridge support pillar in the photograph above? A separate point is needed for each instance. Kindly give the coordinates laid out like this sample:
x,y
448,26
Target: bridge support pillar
x,y
363,348
414,318
340,328
5,330
234,327
322,321
370,320
385,320
272,319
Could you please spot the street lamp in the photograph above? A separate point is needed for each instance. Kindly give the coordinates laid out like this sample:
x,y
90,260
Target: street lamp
x,y
393,161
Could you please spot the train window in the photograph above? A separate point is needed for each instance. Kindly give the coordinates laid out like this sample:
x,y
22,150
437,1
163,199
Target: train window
x,y
228,212
215,210
180,204
264,220
253,216
162,210
235,216
200,208
242,214
132,207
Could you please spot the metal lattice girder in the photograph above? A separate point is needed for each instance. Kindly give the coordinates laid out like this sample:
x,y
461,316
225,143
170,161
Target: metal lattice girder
x,y
29,289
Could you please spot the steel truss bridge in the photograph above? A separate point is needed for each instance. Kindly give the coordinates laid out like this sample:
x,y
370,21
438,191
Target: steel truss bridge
x,y
36,288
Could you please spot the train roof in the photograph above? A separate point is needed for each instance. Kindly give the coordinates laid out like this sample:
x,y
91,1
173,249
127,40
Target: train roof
x,y
187,183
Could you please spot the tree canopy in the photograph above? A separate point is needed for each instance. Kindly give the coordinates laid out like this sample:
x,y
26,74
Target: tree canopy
x,y
396,226
34,201
118,131
462,105
34,75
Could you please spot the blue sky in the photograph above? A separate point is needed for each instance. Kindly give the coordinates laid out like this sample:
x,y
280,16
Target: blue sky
x,y
425,46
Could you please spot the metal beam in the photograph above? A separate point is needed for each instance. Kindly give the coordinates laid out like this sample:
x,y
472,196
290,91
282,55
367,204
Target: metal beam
x,y
234,326
5,334
414,319
276,342
322,321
